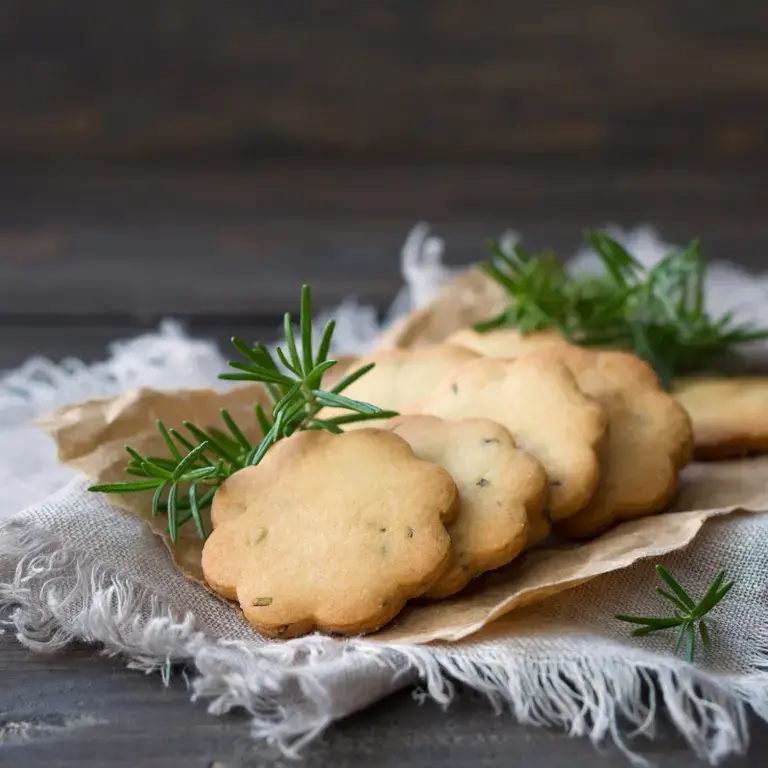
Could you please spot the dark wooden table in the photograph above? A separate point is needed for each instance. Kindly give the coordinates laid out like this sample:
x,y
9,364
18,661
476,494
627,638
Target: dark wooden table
x,y
89,259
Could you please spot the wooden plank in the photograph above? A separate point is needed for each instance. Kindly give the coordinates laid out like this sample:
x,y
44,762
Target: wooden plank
x,y
210,245
77,710
159,80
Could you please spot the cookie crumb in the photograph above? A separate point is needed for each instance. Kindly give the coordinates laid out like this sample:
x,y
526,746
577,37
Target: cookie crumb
x,y
258,535
259,602
482,482
409,534
382,530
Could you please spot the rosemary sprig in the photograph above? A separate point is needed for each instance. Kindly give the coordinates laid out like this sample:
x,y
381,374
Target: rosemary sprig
x,y
657,312
204,458
688,614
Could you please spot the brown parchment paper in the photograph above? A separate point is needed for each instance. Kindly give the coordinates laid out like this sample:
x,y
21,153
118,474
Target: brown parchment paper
x,y
469,297
91,437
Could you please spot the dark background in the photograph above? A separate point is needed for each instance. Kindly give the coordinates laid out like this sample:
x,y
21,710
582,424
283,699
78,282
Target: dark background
x,y
200,159
242,83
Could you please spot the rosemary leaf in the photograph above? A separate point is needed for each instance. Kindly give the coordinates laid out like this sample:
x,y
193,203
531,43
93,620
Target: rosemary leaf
x,y
680,638
171,445
194,510
339,401
710,598
351,378
325,342
189,460
290,342
183,441
254,373
218,448
127,486
251,354
261,418
689,615
305,325
291,366
659,313
704,632
315,375
296,398
671,582
679,604
654,623
237,433
352,418
172,519
156,499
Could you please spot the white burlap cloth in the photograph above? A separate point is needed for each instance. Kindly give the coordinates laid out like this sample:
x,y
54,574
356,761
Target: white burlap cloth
x,y
74,568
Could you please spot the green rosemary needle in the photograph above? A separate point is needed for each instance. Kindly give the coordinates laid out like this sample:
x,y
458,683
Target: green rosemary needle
x,y
200,459
657,312
688,614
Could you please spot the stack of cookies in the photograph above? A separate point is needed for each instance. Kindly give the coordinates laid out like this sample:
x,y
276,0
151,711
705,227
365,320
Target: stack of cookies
x,y
500,439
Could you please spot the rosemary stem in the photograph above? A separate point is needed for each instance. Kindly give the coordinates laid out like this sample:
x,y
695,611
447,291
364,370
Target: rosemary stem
x,y
312,406
296,398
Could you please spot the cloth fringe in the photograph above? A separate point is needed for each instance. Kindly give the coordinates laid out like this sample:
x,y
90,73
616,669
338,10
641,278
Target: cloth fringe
x,y
55,596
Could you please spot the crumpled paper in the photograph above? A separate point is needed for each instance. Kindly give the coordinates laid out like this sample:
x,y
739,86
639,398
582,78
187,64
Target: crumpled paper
x,y
91,437
469,297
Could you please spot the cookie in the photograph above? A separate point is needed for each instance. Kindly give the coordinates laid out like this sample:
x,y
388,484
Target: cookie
x,y
649,435
548,416
648,442
332,532
730,416
401,376
501,489
505,342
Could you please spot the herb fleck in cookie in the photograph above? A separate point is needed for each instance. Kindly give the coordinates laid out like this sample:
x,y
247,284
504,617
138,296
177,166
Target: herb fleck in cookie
x,y
401,376
334,532
730,416
501,489
548,416
649,435
648,441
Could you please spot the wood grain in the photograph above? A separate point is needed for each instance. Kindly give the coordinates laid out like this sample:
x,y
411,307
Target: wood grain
x,y
77,710
210,245
335,80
